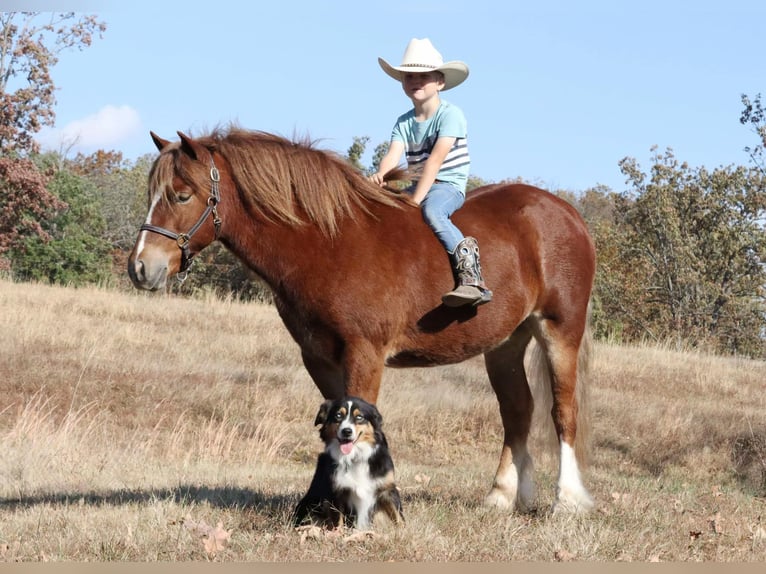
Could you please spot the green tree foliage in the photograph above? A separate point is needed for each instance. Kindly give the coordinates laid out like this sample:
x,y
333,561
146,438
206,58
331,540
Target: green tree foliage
x,y
377,156
74,251
754,115
684,258
29,46
121,189
217,270
356,151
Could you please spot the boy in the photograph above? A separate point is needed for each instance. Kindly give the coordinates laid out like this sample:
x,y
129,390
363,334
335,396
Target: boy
x,y
433,134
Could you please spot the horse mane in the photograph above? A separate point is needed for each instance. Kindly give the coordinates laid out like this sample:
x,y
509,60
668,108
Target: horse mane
x,y
293,182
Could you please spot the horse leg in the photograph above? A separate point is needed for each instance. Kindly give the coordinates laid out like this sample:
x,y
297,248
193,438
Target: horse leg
x,y
358,374
563,356
327,376
513,486
362,369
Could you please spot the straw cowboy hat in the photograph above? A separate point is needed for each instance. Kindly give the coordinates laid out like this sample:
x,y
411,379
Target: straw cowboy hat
x,y
421,56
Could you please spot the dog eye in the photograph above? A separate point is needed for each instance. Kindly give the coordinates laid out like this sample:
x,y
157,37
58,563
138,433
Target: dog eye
x,y
338,416
359,419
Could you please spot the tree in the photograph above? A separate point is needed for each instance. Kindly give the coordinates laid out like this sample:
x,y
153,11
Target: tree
x,y
356,151
25,202
74,251
29,46
691,246
380,152
122,192
755,115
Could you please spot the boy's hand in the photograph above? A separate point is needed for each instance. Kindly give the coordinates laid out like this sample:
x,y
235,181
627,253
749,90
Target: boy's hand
x,y
377,178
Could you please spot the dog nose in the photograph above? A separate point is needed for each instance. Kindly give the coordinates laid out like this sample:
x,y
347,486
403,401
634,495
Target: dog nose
x,y
346,432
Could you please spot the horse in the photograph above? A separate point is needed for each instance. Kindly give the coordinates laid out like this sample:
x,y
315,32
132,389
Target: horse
x,y
357,276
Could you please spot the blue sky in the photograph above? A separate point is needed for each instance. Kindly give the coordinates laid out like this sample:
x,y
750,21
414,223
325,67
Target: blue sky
x,y
558,93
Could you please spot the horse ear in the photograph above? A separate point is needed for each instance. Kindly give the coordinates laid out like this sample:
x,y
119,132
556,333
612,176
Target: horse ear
x,y
191,147
158,141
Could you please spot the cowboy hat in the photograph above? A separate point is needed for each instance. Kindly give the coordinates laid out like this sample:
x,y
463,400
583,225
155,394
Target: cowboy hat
x,y
421,56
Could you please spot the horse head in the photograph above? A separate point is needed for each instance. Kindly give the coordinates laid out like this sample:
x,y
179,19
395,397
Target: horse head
x,y
183,196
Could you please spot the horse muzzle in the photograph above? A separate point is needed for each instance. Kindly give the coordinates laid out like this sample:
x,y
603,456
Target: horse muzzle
x,y
147,275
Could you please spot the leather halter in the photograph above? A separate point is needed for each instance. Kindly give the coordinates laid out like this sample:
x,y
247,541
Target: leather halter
x,y
183,239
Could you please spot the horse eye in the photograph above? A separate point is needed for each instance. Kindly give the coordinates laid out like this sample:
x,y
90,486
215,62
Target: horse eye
x,y
183,197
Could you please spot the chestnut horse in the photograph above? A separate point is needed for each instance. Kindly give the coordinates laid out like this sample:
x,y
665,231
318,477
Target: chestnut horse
x,y
357,278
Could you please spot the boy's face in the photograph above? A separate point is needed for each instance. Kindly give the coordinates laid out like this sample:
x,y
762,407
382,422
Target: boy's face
x,y
422,86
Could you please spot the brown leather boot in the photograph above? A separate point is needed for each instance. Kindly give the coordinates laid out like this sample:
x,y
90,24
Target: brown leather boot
x,y
469,284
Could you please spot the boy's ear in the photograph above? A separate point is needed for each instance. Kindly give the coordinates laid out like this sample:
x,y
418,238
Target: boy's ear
x,y
321,417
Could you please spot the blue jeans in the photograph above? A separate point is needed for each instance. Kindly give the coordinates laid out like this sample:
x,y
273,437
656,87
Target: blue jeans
x,y
441,201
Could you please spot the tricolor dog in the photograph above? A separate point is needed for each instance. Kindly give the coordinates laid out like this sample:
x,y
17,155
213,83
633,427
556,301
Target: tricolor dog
x,y
354,478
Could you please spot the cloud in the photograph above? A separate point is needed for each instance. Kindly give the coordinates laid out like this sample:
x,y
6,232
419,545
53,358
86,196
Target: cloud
x,y
105,129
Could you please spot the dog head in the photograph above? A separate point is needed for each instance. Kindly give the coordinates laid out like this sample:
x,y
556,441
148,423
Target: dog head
x,y
349,426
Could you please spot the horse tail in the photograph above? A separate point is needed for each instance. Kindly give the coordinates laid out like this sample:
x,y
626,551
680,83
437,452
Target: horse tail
x,y
582,393
541,381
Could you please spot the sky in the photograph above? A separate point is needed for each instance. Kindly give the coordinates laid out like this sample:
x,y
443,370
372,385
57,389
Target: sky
x,y
558,92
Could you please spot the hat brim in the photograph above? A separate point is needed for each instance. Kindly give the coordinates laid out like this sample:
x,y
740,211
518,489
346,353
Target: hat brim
x,y
455,72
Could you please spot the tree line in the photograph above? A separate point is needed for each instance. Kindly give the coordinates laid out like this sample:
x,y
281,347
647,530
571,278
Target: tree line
x,y
681,251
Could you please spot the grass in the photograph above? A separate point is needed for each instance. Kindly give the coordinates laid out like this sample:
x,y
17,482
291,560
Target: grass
x,y
149,428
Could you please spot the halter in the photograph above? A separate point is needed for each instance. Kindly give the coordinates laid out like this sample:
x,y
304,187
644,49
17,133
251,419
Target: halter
x,y
183,239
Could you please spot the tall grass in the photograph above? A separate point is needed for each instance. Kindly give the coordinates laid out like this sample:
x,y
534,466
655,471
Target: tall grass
x,y
134,426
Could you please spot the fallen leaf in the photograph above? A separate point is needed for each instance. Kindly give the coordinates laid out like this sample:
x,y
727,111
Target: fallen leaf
x,y
563,556
695,534
714,522
214,539
621,497
359,536
422,479
309,532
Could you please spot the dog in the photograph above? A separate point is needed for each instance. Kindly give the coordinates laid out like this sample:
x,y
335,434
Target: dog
x,y
354,477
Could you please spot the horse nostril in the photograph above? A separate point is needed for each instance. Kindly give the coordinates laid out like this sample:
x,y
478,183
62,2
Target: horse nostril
x,y
137,271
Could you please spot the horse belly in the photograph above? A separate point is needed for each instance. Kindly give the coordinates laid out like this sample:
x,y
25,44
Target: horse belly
x,y
445,348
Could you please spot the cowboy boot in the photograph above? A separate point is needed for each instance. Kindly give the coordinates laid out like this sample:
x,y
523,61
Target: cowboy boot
x,y
469,284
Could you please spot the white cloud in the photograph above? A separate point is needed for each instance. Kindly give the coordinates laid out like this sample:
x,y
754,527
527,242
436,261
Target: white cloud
x,y
105,129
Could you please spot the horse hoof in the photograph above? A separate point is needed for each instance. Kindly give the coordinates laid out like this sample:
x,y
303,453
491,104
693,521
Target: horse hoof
x,y
498,499
570,502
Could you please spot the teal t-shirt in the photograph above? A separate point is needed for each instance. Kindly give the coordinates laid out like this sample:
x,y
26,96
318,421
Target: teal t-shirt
x,y
419,139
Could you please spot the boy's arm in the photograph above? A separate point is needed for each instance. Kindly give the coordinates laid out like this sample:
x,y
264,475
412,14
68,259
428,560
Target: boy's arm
x,y
432,166
389,161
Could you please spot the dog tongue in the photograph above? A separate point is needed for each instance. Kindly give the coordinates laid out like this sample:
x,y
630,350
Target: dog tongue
x,y
346,447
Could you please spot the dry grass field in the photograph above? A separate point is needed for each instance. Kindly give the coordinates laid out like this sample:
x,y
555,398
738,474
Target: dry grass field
x,y
149,428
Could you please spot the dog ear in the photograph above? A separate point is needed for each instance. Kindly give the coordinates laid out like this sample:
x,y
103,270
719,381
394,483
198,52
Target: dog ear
x,y
322,414
378,418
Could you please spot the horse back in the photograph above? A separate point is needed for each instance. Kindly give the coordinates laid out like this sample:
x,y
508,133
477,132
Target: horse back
x,y
536,255
530,237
